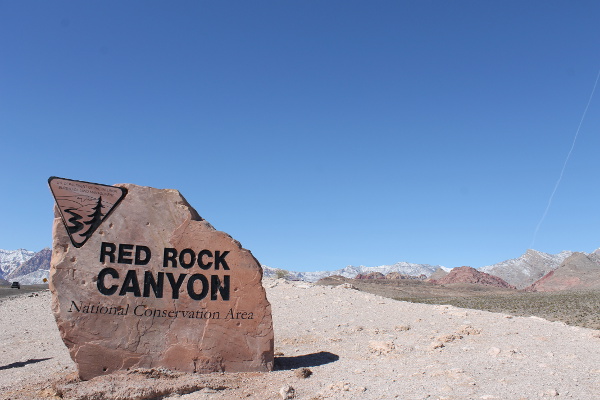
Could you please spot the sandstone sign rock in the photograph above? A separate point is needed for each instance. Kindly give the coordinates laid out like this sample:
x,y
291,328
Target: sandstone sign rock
x,y
154,285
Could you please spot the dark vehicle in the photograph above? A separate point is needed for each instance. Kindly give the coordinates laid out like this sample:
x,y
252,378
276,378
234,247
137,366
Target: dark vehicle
x,y
15,285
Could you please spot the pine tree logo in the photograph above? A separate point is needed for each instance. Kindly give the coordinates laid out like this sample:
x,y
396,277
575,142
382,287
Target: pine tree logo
x,y
96,219
84,206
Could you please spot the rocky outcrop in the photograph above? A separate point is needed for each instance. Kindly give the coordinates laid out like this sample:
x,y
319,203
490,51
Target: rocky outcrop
x,y
471,275
578,272
398,275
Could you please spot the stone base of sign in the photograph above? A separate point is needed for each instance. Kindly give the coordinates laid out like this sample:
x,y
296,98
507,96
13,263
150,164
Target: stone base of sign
x,y
158,286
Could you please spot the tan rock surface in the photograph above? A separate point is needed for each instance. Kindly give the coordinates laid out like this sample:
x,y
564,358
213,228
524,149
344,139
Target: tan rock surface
x,y
196,305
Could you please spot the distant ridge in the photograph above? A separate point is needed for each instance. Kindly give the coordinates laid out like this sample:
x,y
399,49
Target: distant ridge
x,y
519,272
523,271
578,272
403,268
471,275
31,267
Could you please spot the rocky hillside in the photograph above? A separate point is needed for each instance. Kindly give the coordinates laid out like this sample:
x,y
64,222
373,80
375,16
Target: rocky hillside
x,y
525,270
578,272
437,275
39,261
12,259
471,275
24,266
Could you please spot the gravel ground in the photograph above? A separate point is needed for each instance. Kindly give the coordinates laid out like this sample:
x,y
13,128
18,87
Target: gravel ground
x,y
356,345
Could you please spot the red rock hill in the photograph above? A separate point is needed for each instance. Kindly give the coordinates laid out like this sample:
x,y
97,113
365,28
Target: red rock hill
x,y
471,275
578,272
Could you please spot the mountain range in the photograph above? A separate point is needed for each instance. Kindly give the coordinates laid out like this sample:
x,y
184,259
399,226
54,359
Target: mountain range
x,y
24,266
12,259
533,271
523,271
351,271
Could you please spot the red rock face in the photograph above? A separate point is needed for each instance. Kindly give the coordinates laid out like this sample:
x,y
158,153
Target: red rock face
x,y
157,286
471,275
578,272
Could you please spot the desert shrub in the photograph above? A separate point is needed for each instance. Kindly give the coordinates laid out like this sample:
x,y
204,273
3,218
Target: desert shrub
x,y
281,274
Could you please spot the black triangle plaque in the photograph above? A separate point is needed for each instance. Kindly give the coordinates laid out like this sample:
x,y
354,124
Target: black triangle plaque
x,y
84,206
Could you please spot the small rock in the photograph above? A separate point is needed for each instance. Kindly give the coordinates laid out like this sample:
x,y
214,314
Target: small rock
x,y
303,373
347,286
287,392
340,387
381,347
468,330
402,327
435,345
494,351
449,338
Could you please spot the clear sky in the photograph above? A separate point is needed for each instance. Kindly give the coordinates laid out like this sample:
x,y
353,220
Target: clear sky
x,y
319,134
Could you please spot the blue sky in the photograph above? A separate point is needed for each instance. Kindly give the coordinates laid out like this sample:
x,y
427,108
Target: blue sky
x,y
319,134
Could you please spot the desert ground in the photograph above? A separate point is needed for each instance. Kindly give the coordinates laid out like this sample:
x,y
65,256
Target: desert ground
x,y
574,307
332,342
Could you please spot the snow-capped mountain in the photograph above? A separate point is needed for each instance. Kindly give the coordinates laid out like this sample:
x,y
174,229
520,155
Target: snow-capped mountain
x,y
21,265
32,278
351,271
12,259
34,270
525,270
40,260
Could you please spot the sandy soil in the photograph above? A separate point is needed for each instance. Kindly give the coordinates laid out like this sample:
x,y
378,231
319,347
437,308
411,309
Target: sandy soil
x,y
357,346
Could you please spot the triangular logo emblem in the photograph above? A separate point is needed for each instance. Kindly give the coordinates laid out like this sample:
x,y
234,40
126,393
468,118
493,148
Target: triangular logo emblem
x,y
84,206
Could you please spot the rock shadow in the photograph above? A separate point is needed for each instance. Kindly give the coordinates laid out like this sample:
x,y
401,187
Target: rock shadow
x,y
20,364
305,361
